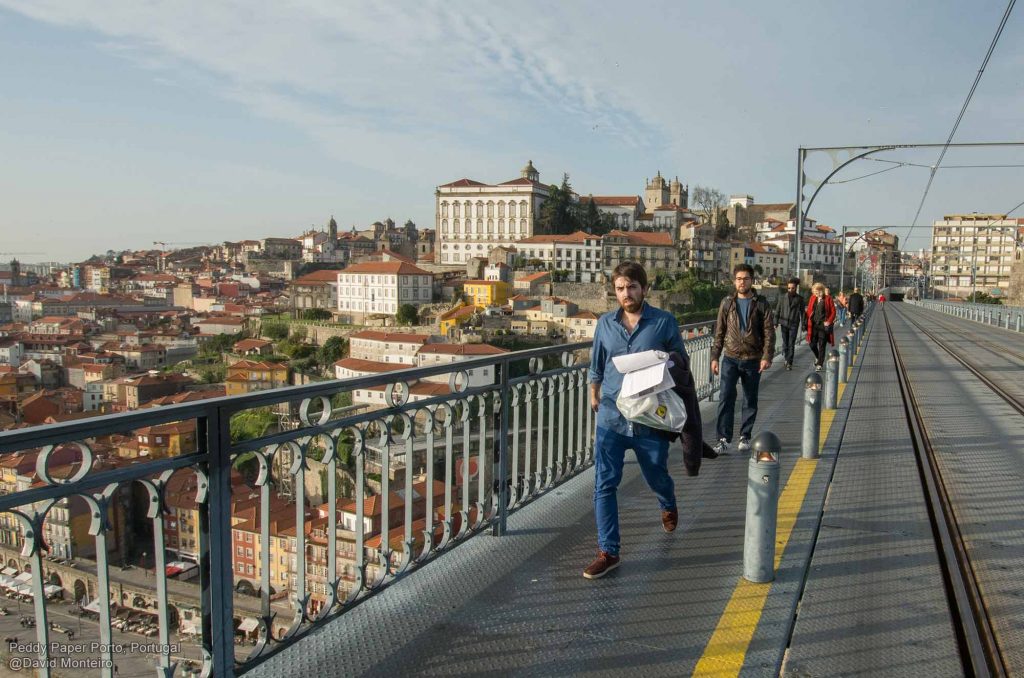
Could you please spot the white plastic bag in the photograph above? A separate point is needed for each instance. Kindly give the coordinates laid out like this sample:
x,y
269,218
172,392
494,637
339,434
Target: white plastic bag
x,y
663,410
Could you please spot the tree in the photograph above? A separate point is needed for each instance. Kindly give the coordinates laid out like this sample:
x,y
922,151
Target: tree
x,y
591,218
316,314
708,202
723,228
559,214
407,315
332,351
275,331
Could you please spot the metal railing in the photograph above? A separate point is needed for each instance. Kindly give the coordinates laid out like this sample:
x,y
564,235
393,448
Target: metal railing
x,y
290,528
1007,317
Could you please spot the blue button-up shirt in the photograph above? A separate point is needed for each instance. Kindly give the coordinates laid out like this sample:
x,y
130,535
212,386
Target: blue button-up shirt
x,y
657,330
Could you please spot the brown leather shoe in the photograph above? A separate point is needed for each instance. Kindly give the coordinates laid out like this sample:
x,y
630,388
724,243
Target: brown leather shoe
x,y
602,565
669,520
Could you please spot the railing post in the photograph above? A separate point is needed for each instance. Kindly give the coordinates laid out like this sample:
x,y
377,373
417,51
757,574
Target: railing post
x,y
832,379
762,508
501,435
812,416
218,587
844,358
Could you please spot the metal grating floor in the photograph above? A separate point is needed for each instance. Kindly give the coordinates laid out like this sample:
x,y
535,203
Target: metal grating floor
x,y
519,605
873,603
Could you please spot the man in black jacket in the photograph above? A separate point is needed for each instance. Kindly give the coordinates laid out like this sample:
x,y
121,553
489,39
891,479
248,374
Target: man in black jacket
x,y
856,304
789,314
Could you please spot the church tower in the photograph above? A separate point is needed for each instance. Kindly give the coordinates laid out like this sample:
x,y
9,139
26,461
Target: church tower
x,y
332,230
679,195
656,193
530,172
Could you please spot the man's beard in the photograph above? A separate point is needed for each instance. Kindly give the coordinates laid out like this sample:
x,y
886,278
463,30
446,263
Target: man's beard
x,y
632,305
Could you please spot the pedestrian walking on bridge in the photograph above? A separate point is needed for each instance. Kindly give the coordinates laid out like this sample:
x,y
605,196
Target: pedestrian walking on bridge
x,y
635,327
856,304
789,313
745,332
821,314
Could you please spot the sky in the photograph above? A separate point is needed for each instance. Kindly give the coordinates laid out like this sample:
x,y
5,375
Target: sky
x,y
126,123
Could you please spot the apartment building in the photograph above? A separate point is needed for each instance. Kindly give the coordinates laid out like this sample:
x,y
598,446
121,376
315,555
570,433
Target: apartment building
x,y
975,252
379,288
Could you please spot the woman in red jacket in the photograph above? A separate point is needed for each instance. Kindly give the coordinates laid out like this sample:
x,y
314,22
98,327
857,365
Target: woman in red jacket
x,y
821,313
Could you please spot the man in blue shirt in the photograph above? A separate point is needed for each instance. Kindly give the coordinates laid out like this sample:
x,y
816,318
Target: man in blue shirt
x,y
635,327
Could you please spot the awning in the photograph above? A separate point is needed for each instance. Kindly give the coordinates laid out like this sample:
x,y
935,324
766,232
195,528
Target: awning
x,y
248,625
7,582
188,626
24,590
51,589
9,571
94,606
25,577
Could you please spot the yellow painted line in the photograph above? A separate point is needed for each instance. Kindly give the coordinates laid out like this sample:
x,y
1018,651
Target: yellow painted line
x,y
727,649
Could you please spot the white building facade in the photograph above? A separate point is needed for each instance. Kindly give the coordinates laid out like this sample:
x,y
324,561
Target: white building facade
x,y
380,287
472,217
579,253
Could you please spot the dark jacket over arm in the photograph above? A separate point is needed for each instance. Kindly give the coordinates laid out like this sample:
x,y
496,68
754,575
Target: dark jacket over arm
x,y
692,436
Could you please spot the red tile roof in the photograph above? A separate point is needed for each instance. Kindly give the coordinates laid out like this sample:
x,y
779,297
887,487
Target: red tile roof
x,y
391,267
534,276
462,183
317,278
462,349
397,337
657,239
612,200
578,237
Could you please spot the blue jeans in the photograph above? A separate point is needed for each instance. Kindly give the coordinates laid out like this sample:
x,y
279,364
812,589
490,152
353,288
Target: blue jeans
x,y
747,372
790,333
651,450
841,315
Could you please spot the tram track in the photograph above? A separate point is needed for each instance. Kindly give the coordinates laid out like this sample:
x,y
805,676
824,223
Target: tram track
x,y
950,324
979,646
1012,400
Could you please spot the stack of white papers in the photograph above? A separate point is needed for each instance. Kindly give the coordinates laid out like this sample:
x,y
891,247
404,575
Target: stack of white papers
x,y
644,373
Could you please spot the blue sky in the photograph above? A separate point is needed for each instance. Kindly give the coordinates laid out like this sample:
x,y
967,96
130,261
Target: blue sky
x,y
125,123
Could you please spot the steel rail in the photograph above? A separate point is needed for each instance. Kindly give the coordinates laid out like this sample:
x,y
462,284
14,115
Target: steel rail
x,y
979,646
966,333
1011,400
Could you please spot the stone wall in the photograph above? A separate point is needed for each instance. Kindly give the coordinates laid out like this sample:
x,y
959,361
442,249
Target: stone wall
x,y
588,296
1015,293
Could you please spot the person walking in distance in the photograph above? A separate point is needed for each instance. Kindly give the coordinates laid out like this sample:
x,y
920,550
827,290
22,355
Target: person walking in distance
x,y
821,313
745,333
635,327
841,302
789,314
856,304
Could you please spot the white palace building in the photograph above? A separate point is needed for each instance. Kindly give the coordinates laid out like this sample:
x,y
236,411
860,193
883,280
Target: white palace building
x,y
472,217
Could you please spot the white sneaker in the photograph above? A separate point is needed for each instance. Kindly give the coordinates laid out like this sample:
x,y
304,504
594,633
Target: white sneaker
x,y
722,447
744,445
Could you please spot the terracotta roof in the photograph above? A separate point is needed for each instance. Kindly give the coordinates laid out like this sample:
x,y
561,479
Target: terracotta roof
x,y
255,365
578,237
317,278
397,337
392,267
462,183
396,255
460,312
246,344
657,239
462,349
522,181
612,200
359,365
534,276
585,315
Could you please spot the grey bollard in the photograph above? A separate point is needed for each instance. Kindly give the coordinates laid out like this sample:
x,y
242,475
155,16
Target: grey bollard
x,y
832,379
812,416
762,508
844,358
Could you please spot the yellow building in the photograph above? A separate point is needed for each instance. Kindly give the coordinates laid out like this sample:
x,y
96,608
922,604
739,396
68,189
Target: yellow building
x,y
452,320
246,376
486,292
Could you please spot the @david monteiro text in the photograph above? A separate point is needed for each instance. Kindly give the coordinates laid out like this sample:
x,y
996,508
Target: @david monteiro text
x,y
91,655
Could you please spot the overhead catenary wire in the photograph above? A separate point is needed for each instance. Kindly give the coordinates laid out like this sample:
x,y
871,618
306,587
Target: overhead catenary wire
x,y
963,109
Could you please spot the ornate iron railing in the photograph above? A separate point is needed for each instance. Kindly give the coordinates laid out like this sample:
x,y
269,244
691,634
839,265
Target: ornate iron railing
x,y
287,529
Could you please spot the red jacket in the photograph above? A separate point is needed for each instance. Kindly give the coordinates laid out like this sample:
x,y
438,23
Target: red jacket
x,y
830,316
